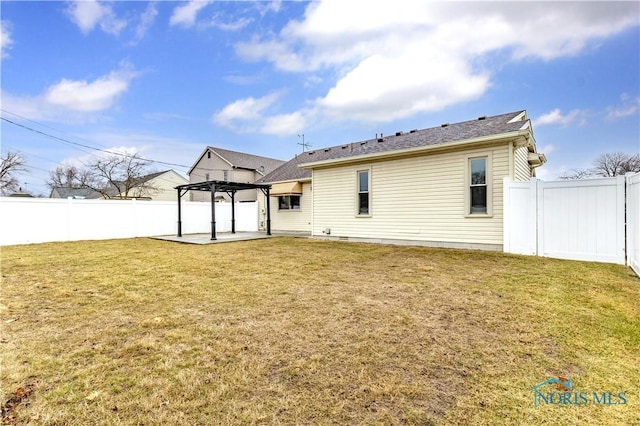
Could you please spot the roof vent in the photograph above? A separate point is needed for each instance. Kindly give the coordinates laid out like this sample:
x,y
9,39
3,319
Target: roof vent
x,y
444,125
482,117
344,146
399,133
380,139
413,130
311,152
362,143
327,149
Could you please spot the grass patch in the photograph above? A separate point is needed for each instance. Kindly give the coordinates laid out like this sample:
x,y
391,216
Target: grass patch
x,y
296,331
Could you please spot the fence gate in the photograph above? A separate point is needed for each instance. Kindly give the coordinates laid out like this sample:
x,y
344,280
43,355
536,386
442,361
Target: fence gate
x,y
574,219
582,220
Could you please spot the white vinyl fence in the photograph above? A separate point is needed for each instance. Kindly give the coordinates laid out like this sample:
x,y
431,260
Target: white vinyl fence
x,y
38,220
633,222
574,219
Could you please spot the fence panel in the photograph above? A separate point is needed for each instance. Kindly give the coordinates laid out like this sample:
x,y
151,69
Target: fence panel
x,y
579,219
582,219
38,220
520,217
633,222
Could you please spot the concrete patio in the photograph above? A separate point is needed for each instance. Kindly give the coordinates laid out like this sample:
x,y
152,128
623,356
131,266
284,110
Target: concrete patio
x,y
225,237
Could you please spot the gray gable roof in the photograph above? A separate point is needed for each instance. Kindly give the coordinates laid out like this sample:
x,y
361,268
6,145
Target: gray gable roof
x,y
66,192
243,160
472,129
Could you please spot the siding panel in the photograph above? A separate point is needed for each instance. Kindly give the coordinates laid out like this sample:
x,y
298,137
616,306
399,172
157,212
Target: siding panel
x,y
419,198
293,220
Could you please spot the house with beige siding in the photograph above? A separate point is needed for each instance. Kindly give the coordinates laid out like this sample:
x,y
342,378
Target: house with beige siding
x,y
440,186
158,186
230,166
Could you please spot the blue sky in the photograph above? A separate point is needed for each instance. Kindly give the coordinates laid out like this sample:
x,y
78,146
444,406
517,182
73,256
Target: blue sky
x,y
166,79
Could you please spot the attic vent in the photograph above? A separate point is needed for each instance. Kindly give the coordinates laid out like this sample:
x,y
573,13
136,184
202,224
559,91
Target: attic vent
x,y
444,125
482,117
413,130
399,133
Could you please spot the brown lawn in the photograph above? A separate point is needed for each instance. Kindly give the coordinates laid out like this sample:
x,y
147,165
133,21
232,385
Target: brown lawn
x,y
297,331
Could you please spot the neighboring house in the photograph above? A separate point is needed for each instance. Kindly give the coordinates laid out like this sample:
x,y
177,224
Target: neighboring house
x,y
231,166
158,186
21,194
440,186
76,193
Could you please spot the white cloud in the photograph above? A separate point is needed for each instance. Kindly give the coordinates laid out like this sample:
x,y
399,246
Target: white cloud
x,y
236,25
397,59
268,6
627,107
72,100
546,149
251,115
243,110
5,38
146,21
86,14
283,124
186,14
556,117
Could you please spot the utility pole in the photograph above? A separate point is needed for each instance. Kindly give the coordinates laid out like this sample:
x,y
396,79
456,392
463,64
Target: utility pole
x,y
304,144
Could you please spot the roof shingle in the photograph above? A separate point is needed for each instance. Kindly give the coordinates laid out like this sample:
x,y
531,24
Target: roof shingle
x,y
481,127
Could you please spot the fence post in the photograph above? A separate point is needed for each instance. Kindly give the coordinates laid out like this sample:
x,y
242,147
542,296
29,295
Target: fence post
x,y
506,215
621,228
538,194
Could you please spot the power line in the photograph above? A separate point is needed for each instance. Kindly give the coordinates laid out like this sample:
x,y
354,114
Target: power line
x,y
81,145
66,141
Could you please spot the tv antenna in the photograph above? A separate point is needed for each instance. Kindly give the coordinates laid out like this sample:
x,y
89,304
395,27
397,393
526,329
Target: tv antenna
x,y
304,144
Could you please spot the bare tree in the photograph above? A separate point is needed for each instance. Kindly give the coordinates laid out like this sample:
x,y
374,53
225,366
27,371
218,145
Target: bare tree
x,y
113,176
576,174
11,164
607,165
616,163
119,176
66,176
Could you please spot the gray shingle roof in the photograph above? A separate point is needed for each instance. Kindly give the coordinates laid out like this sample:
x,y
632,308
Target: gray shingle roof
x,y
243,160
481,127
66,192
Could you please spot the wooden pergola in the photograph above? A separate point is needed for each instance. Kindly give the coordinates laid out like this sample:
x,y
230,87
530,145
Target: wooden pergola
x,y
230,188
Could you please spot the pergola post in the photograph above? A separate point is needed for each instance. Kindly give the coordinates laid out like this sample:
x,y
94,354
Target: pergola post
x,y
233,212
213,211
179,214
268,213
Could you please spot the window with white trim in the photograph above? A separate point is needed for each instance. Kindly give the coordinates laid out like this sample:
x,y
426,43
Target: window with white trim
x,y
478,191
478,185
363,193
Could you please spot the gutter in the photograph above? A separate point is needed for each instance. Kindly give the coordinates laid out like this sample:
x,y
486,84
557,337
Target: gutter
x,y
524,134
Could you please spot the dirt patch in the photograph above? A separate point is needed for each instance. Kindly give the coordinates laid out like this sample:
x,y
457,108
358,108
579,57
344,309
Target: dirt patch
x,y
20,396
